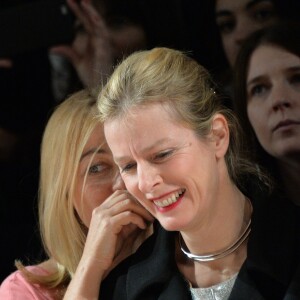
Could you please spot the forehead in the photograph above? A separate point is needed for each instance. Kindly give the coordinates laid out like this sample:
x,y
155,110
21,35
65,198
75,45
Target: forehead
x,y
142,127
269,59
96,137
231,4
237,5
154,115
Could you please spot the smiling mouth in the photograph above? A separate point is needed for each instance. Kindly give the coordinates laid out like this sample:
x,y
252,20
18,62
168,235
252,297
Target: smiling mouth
x,y
170,200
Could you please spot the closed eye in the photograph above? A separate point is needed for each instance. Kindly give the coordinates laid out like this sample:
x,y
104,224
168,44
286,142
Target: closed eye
x,y
127,168
162,155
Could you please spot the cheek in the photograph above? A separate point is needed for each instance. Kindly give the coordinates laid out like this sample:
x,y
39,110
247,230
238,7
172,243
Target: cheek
x,y
258,120
227,42
132,187
94,195
131,184
254,115
251,114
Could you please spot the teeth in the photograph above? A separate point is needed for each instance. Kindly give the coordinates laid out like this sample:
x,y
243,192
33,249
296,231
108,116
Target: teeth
x,y
165,202
172,199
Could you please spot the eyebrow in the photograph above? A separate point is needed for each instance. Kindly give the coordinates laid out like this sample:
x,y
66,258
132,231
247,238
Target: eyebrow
x,y
255,79
92,151
250,4
260,77
145,150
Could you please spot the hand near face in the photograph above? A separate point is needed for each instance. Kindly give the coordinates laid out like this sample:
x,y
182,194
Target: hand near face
x,y
118,226
91,52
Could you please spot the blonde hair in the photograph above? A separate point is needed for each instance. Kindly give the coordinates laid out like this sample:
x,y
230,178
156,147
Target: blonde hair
x,y
170,76
62,232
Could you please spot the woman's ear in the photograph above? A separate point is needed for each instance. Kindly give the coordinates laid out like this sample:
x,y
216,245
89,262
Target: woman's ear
x,y
220,135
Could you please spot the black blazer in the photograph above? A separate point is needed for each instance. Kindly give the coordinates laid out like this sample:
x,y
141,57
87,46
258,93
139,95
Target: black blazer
x,y
271,270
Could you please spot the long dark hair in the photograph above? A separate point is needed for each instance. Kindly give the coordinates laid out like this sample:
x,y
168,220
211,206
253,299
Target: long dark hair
x,y
284,35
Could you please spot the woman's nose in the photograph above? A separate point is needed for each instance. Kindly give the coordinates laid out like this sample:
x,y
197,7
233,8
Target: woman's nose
x,y
243,29
281,104
148,178
280,98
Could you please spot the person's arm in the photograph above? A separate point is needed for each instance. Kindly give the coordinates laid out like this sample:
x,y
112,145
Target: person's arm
x,y
116,226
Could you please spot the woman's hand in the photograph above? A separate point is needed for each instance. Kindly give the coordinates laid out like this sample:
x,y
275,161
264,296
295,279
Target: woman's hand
x,y
91,53
115,229
118,226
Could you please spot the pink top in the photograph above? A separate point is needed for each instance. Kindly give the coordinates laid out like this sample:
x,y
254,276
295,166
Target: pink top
x,y
15,287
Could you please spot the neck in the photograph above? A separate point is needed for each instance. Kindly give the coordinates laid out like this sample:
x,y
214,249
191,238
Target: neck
x,y
220,227
210,273
231,227
221,253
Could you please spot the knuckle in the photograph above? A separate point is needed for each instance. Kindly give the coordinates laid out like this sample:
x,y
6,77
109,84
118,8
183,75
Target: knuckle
x,y
97,211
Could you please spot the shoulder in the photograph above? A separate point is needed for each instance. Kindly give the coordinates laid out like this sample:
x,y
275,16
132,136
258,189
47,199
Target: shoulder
x,y
145,273
16,287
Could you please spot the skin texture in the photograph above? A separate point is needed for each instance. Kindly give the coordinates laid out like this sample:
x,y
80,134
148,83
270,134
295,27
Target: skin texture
x,y
236,20
116,222
156,164
146,181
273,107
172,159
98,176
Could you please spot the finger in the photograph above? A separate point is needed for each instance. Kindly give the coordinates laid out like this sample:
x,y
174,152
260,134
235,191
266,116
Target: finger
x,y
121,201
130,203
67,52
118,196
95,19
126,218
127,204
136,208
114,198
80,14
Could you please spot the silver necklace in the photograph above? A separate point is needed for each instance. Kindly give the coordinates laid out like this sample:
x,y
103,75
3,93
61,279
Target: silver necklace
x,y
220,254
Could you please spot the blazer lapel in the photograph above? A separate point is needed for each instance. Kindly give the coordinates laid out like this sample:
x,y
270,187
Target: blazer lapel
x,y
157,277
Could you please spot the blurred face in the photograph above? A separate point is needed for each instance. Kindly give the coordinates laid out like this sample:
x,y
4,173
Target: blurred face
x,y
273,89
237,19
172,173
98,176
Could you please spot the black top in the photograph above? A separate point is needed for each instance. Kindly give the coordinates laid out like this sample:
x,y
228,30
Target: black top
x,y
271,270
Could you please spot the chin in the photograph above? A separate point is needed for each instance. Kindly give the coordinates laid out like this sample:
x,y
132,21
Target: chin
x,y
171,225
286,152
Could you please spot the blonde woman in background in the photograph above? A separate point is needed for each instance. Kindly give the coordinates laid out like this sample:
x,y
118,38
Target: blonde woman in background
x,y
88,221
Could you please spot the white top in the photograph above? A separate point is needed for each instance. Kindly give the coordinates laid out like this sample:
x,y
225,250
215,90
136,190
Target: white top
x,y
220,291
